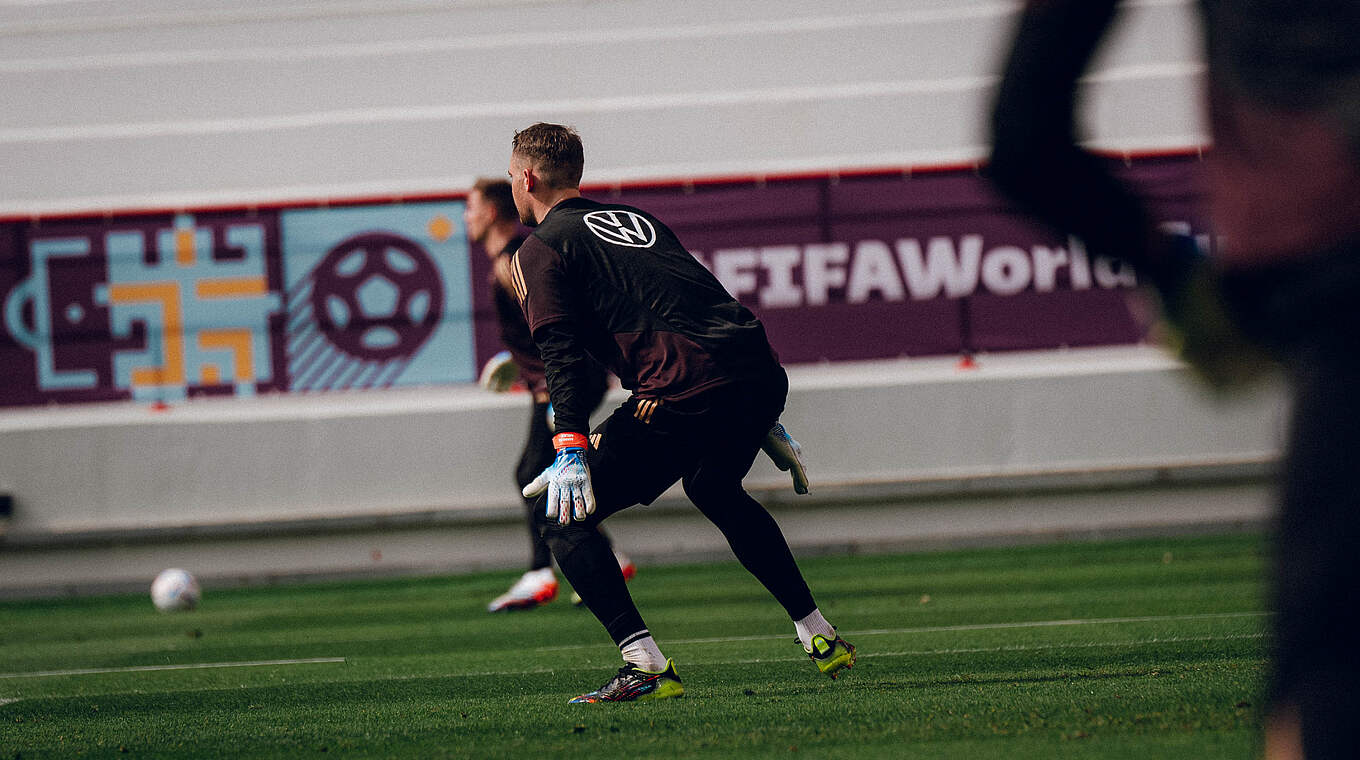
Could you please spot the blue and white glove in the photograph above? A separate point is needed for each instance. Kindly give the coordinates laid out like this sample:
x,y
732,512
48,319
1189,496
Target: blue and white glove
x,y
787,455
567,481
499,373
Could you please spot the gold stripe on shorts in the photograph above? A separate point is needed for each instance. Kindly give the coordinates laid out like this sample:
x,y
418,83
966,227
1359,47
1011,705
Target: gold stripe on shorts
x,y
645,408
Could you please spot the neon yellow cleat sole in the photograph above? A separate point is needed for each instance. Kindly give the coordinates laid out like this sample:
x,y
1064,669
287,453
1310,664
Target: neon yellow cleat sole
x,y
832,655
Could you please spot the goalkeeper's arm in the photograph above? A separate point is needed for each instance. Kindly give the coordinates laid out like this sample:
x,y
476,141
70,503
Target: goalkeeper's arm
x,y
570,374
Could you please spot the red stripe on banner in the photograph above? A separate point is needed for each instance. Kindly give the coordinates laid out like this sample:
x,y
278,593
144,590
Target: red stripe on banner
x,y
641,184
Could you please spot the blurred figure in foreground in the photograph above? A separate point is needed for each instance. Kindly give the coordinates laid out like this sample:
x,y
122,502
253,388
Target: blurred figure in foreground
x,y
493,223
1284,192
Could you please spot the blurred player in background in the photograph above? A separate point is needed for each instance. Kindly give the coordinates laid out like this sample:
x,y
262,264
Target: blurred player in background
x,y
1284,192
613,282
493,224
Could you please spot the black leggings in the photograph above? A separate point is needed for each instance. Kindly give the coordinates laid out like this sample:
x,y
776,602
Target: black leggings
x,y
708,443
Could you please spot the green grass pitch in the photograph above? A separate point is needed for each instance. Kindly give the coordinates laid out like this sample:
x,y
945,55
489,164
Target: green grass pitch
x,y
1142,649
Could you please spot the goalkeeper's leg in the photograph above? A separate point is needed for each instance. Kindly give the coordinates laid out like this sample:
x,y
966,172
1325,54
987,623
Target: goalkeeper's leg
x,y
588,562
629,465
740,419
538,585
753,535
759,545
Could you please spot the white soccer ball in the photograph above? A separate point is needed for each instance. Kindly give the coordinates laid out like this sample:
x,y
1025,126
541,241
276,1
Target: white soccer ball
x,y
174,590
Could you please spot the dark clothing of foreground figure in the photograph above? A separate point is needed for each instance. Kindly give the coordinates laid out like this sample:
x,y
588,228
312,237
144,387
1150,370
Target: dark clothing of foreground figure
x,y
1284,191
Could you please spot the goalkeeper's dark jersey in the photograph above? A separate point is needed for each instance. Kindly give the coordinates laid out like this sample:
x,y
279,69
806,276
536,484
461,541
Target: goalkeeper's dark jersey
x,y
613,282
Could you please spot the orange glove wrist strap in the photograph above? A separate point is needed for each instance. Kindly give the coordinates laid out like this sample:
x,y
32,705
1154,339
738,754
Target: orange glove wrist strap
x,y
569,440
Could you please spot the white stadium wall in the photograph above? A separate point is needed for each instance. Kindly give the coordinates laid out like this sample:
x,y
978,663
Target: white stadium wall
x,y
135,103
1102,416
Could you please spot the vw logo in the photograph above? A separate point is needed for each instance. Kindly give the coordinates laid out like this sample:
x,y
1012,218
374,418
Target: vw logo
x,y
622,228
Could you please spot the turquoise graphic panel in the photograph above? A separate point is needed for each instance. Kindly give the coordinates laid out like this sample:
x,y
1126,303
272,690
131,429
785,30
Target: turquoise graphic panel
x,y
377,296
205,314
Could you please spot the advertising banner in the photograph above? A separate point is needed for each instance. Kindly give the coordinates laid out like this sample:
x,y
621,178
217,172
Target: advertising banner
x,y
900,265
377,296
160,307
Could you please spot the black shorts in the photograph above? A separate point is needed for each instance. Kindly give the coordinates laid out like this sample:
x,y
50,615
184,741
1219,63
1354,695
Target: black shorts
x,y
647,445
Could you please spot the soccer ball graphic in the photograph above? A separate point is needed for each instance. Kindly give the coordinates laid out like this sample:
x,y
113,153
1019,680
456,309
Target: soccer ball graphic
x,y
174,590
377,297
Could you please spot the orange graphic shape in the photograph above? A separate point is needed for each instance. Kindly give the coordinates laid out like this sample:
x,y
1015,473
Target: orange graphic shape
x,y
440,228
237,342
230,287
184,247
171,371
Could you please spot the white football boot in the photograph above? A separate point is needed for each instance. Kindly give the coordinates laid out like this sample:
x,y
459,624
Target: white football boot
x,y
534,588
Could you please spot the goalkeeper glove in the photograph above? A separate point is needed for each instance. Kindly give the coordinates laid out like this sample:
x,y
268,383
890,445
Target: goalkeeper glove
x,y
787,455
567,481
499,373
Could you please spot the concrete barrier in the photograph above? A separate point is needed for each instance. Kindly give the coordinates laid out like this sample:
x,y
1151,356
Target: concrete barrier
x,y
1089,415
105,478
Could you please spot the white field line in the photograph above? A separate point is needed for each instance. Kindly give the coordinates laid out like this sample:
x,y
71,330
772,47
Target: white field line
x,y
898,653
950,628
906,653
773,637
744,661
534,40
1010,648
8,701
187,666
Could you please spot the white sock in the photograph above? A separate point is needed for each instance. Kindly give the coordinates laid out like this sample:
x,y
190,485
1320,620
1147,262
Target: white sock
x,y
812,625
641,650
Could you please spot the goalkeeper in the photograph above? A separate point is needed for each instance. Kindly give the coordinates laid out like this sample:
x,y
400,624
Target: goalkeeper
x,y
614,283
491,223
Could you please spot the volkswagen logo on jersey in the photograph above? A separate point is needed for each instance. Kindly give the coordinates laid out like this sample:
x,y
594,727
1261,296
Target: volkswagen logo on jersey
x,y
622,228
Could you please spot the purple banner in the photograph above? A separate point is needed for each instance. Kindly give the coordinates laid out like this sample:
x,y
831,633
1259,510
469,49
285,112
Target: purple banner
x,y
161,307
900,265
